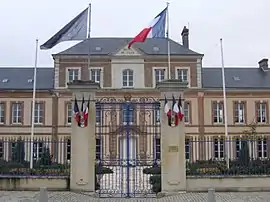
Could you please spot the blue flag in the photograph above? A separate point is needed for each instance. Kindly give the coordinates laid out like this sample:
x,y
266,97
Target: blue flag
x,y
76,29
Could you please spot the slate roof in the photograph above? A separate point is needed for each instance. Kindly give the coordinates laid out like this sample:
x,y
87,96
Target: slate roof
x,y
113,45
18,78
238,78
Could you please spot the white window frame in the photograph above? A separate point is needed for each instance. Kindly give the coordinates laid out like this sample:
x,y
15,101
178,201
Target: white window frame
x,y
262,114
71,113
133,80
183,68
219,140
218,114
68,149
188,143
72,68
157,148
18,108
237,151
186,110
101,75
154,74
100,148
238,109
37,149
39,113
263,142
2,113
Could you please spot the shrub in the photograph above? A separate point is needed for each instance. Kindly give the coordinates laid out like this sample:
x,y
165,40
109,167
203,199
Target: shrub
x,y
99,170
45,157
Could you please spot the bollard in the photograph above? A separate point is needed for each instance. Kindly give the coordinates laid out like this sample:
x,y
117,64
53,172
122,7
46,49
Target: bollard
x,y
43,196
211,195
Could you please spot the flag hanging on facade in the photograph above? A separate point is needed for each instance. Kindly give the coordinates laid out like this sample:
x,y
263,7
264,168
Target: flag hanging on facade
x,y
175,112
76,29
86,112
76,112
167,111
156,29
181,112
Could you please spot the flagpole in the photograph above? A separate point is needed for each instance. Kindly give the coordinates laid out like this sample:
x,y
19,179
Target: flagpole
x,y
33,107
225,105
89,34
168,43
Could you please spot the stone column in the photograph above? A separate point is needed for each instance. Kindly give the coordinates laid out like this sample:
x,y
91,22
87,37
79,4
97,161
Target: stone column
x,y
173,163
83,143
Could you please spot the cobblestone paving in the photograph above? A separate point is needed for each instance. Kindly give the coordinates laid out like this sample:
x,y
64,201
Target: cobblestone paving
x,y
188,197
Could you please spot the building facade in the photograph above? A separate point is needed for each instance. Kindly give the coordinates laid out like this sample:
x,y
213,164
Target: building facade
x,y
118,70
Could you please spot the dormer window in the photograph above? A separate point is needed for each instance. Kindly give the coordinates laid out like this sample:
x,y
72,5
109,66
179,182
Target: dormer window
x,y
30,80
4,80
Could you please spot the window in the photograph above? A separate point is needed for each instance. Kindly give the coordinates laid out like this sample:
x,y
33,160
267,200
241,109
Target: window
x,y
13,150
187,149
73,74
68,146
238,147
262,148
157,149
159,75
261,112
217,112
39,113
37,150
219,148
157,114
182,75
98,113
69,113
17,113
2,113
128,78
98,149
128,114
187,112
95,75
1,150
239,112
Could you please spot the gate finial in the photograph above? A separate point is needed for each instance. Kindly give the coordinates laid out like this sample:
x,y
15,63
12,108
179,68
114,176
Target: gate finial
x,y
127,96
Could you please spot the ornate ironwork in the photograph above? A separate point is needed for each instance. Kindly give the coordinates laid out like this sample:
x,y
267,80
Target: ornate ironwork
x,y
127,132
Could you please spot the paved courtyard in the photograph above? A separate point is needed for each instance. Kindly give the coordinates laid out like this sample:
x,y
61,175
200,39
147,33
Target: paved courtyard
x,y
188,197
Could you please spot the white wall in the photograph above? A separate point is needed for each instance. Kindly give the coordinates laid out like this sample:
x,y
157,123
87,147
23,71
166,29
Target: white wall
x,y
137,65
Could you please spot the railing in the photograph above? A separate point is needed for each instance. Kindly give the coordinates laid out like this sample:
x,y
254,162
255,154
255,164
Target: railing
x,y
50,157
208,155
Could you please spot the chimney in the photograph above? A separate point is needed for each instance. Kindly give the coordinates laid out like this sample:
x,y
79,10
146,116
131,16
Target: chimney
x,y
263,64
185,38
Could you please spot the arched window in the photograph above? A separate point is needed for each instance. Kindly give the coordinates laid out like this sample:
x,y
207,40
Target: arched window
x,y
128,78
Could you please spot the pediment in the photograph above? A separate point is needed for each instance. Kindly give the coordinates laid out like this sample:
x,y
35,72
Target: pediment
x,y
127,52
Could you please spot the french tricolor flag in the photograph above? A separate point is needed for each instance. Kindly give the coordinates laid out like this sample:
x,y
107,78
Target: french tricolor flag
x,y
156,29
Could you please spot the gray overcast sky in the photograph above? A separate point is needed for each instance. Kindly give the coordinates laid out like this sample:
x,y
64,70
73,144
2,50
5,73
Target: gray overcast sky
x,y
243,25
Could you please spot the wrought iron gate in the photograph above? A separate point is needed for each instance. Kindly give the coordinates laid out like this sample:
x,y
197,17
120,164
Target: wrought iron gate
x,y
128,141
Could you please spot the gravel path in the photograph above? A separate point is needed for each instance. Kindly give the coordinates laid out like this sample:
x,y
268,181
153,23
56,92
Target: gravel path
x,y
188,197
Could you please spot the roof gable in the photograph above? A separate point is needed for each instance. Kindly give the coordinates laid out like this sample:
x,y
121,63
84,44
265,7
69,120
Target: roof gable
x,y
125,51
22,78
107,46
